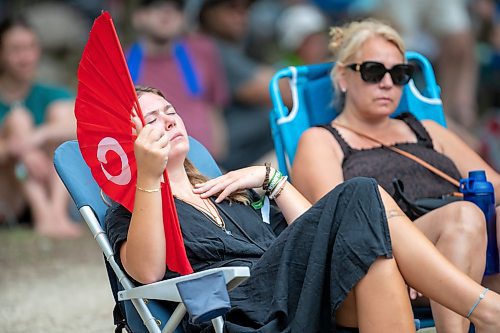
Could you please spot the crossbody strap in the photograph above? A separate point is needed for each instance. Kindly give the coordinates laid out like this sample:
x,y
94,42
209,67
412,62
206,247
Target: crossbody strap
x,y
407,155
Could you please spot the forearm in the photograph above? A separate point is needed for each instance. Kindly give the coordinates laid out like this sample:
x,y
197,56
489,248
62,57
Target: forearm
x,y
292,203
144,258
54,133
59,125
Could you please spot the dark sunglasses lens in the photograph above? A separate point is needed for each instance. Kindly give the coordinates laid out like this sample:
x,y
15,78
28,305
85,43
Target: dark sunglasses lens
x,y
401,74
372,72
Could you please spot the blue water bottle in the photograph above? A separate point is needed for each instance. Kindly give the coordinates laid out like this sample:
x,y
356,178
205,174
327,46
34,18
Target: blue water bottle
x,y
478,190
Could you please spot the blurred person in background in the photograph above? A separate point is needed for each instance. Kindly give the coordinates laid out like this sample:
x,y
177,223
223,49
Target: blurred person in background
x,y
301,31
247,115
442,30
34,119
487,15
185,66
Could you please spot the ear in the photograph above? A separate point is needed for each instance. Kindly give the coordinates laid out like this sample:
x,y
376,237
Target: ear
x,y
137,19
342,78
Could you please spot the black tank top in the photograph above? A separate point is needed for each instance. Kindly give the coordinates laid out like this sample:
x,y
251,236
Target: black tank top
x,y
384,165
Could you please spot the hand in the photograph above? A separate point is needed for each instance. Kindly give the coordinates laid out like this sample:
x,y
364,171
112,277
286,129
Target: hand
x,y
37,164
414,294
251,177
20,146
151,149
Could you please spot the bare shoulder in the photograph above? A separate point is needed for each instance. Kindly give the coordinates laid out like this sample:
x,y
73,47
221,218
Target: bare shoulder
x,y
319,139
432,126
440,135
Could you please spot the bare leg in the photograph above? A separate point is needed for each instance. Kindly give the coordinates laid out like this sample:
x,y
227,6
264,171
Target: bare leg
x,y
375,299
428,271
42,189
458,75
493,281
458,231
12,202
15,128
58,202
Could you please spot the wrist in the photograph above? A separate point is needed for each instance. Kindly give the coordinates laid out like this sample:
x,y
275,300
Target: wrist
x,y
274,178
148,182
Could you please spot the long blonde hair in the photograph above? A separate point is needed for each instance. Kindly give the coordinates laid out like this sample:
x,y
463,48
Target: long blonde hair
x,y
194,175
347,40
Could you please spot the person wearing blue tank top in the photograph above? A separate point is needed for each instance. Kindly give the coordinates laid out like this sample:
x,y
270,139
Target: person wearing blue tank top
x,y
368,78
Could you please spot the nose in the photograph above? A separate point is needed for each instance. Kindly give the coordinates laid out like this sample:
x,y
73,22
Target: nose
x,y
169,122
386,81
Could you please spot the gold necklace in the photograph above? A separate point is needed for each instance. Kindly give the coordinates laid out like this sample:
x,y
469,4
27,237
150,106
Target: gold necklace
x,y
215,218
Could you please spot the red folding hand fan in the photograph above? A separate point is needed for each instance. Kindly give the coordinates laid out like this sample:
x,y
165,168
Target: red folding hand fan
x,y
105,102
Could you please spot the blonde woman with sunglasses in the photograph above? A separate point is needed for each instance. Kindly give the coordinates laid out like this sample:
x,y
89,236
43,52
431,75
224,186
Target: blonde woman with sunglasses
x,y
368,78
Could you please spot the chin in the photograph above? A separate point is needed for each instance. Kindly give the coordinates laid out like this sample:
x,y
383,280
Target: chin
x,y
181,146
379,113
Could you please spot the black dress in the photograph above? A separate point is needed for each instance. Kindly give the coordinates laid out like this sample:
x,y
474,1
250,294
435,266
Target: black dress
x,y
299,278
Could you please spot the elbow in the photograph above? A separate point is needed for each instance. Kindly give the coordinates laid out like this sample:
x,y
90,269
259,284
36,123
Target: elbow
x,y
145,272
147,276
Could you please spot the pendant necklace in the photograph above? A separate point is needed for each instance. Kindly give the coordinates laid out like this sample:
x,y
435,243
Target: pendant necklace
x,y
215,218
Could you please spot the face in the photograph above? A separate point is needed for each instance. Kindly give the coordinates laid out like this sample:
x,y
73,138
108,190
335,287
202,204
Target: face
x,y
19,53
372,99
161,114
160,22
228,19
314,48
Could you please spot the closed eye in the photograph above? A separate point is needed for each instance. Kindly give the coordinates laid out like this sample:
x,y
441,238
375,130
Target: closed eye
x,y
151,117
169,110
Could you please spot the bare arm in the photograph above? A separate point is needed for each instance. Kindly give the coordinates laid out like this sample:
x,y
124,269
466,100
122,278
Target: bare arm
x,y
462,155
143,254
290,201
317,166
256,91
60,124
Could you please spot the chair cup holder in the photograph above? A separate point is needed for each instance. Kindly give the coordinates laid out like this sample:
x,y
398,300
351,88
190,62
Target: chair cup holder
x,y
205,298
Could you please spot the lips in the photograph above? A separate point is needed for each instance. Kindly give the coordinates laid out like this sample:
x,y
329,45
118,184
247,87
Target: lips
x,y
383,99
176,136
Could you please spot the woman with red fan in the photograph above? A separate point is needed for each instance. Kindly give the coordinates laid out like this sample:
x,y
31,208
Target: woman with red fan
x,y
303,262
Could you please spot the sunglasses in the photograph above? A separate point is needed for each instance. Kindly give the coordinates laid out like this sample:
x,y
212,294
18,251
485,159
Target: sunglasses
x,y
374,72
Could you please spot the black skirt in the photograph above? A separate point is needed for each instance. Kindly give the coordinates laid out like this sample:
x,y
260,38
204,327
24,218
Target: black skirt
x,y
303,278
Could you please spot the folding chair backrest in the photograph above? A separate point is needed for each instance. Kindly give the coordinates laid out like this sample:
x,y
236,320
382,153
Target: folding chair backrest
x,y
86,194
312,96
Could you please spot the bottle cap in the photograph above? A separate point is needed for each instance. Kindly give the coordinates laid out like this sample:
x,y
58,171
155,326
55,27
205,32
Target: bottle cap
x,y
476,183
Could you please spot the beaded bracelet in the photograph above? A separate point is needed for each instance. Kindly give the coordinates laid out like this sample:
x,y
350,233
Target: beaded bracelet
x,y
265,184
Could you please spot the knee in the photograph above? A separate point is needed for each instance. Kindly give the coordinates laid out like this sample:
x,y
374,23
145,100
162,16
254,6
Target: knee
x,y
361,183
466,219
18,120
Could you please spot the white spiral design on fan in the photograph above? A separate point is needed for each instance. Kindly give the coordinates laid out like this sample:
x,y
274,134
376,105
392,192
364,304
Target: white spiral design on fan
x,y
105,145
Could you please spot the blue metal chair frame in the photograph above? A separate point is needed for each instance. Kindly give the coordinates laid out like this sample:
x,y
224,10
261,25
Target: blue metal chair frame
x,y
143,308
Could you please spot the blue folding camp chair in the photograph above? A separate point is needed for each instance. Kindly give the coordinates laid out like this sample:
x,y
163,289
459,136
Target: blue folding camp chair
x,y
312,97
144,308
